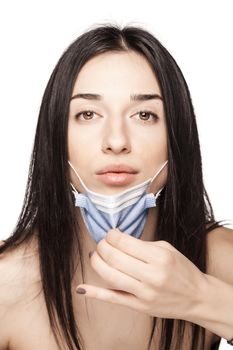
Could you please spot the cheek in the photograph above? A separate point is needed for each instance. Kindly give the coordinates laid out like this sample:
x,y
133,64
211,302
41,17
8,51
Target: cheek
x,y
79,151
153,145
77,146
78,141
83,148
73,143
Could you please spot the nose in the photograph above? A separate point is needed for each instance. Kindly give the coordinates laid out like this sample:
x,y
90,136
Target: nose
x,y
116,139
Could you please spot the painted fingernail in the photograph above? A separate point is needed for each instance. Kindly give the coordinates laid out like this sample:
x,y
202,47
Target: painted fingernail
x,y
81,291
90,254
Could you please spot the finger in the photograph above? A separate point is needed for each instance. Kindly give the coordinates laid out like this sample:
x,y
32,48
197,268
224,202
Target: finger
x,y
112,296
125,263
114,278
146,251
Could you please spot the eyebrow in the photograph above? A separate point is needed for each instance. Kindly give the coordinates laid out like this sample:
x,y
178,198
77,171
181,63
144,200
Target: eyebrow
x,y
133,97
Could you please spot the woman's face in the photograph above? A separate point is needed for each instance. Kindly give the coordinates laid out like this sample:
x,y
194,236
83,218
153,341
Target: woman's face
x,y
116,141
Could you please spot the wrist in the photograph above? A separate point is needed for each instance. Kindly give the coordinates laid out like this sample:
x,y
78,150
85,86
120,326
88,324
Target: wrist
x,y
213,306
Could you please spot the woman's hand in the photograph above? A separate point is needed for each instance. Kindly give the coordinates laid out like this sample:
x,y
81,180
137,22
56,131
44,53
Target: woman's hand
x,y
151,277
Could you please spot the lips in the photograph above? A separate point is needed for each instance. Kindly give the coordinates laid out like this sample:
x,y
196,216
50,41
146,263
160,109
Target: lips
x,y
117,175
117,168
116,179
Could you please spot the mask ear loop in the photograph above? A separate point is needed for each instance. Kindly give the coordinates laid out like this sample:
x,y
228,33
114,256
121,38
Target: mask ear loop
x,y
158,172
83,185
73,187
158,193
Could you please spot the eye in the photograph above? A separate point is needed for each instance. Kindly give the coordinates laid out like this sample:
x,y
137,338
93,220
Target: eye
x,y
143,115
148,116
86,115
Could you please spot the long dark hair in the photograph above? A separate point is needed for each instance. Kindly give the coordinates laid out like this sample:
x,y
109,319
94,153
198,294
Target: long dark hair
x,y
48,211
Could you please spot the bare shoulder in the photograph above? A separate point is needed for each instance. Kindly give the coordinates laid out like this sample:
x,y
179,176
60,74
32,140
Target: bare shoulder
x,y
19,279
220,254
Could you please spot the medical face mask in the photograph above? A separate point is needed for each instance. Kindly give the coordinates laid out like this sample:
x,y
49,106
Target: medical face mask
x,y
126,211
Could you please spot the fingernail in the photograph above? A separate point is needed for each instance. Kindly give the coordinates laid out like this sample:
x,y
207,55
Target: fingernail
x,y
90,254
81,291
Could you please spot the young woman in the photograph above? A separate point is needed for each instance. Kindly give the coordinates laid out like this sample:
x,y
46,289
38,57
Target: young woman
x,y
116,246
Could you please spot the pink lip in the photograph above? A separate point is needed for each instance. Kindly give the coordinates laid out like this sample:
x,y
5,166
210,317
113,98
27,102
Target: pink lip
x,y
116,178
119,168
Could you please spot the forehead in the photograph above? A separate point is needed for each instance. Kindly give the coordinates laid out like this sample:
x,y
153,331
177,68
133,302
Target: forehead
x,y
117,73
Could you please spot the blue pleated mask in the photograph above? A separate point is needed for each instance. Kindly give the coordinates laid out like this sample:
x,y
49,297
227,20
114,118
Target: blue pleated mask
x,y
126,210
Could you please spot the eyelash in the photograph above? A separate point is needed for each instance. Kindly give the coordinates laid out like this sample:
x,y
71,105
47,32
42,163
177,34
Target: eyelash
x,y
155,117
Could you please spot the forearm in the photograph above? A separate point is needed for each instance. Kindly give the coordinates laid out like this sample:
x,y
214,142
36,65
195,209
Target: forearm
x,y
215,308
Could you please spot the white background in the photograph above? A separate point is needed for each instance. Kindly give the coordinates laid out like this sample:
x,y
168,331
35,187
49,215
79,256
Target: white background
x,y
33,36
